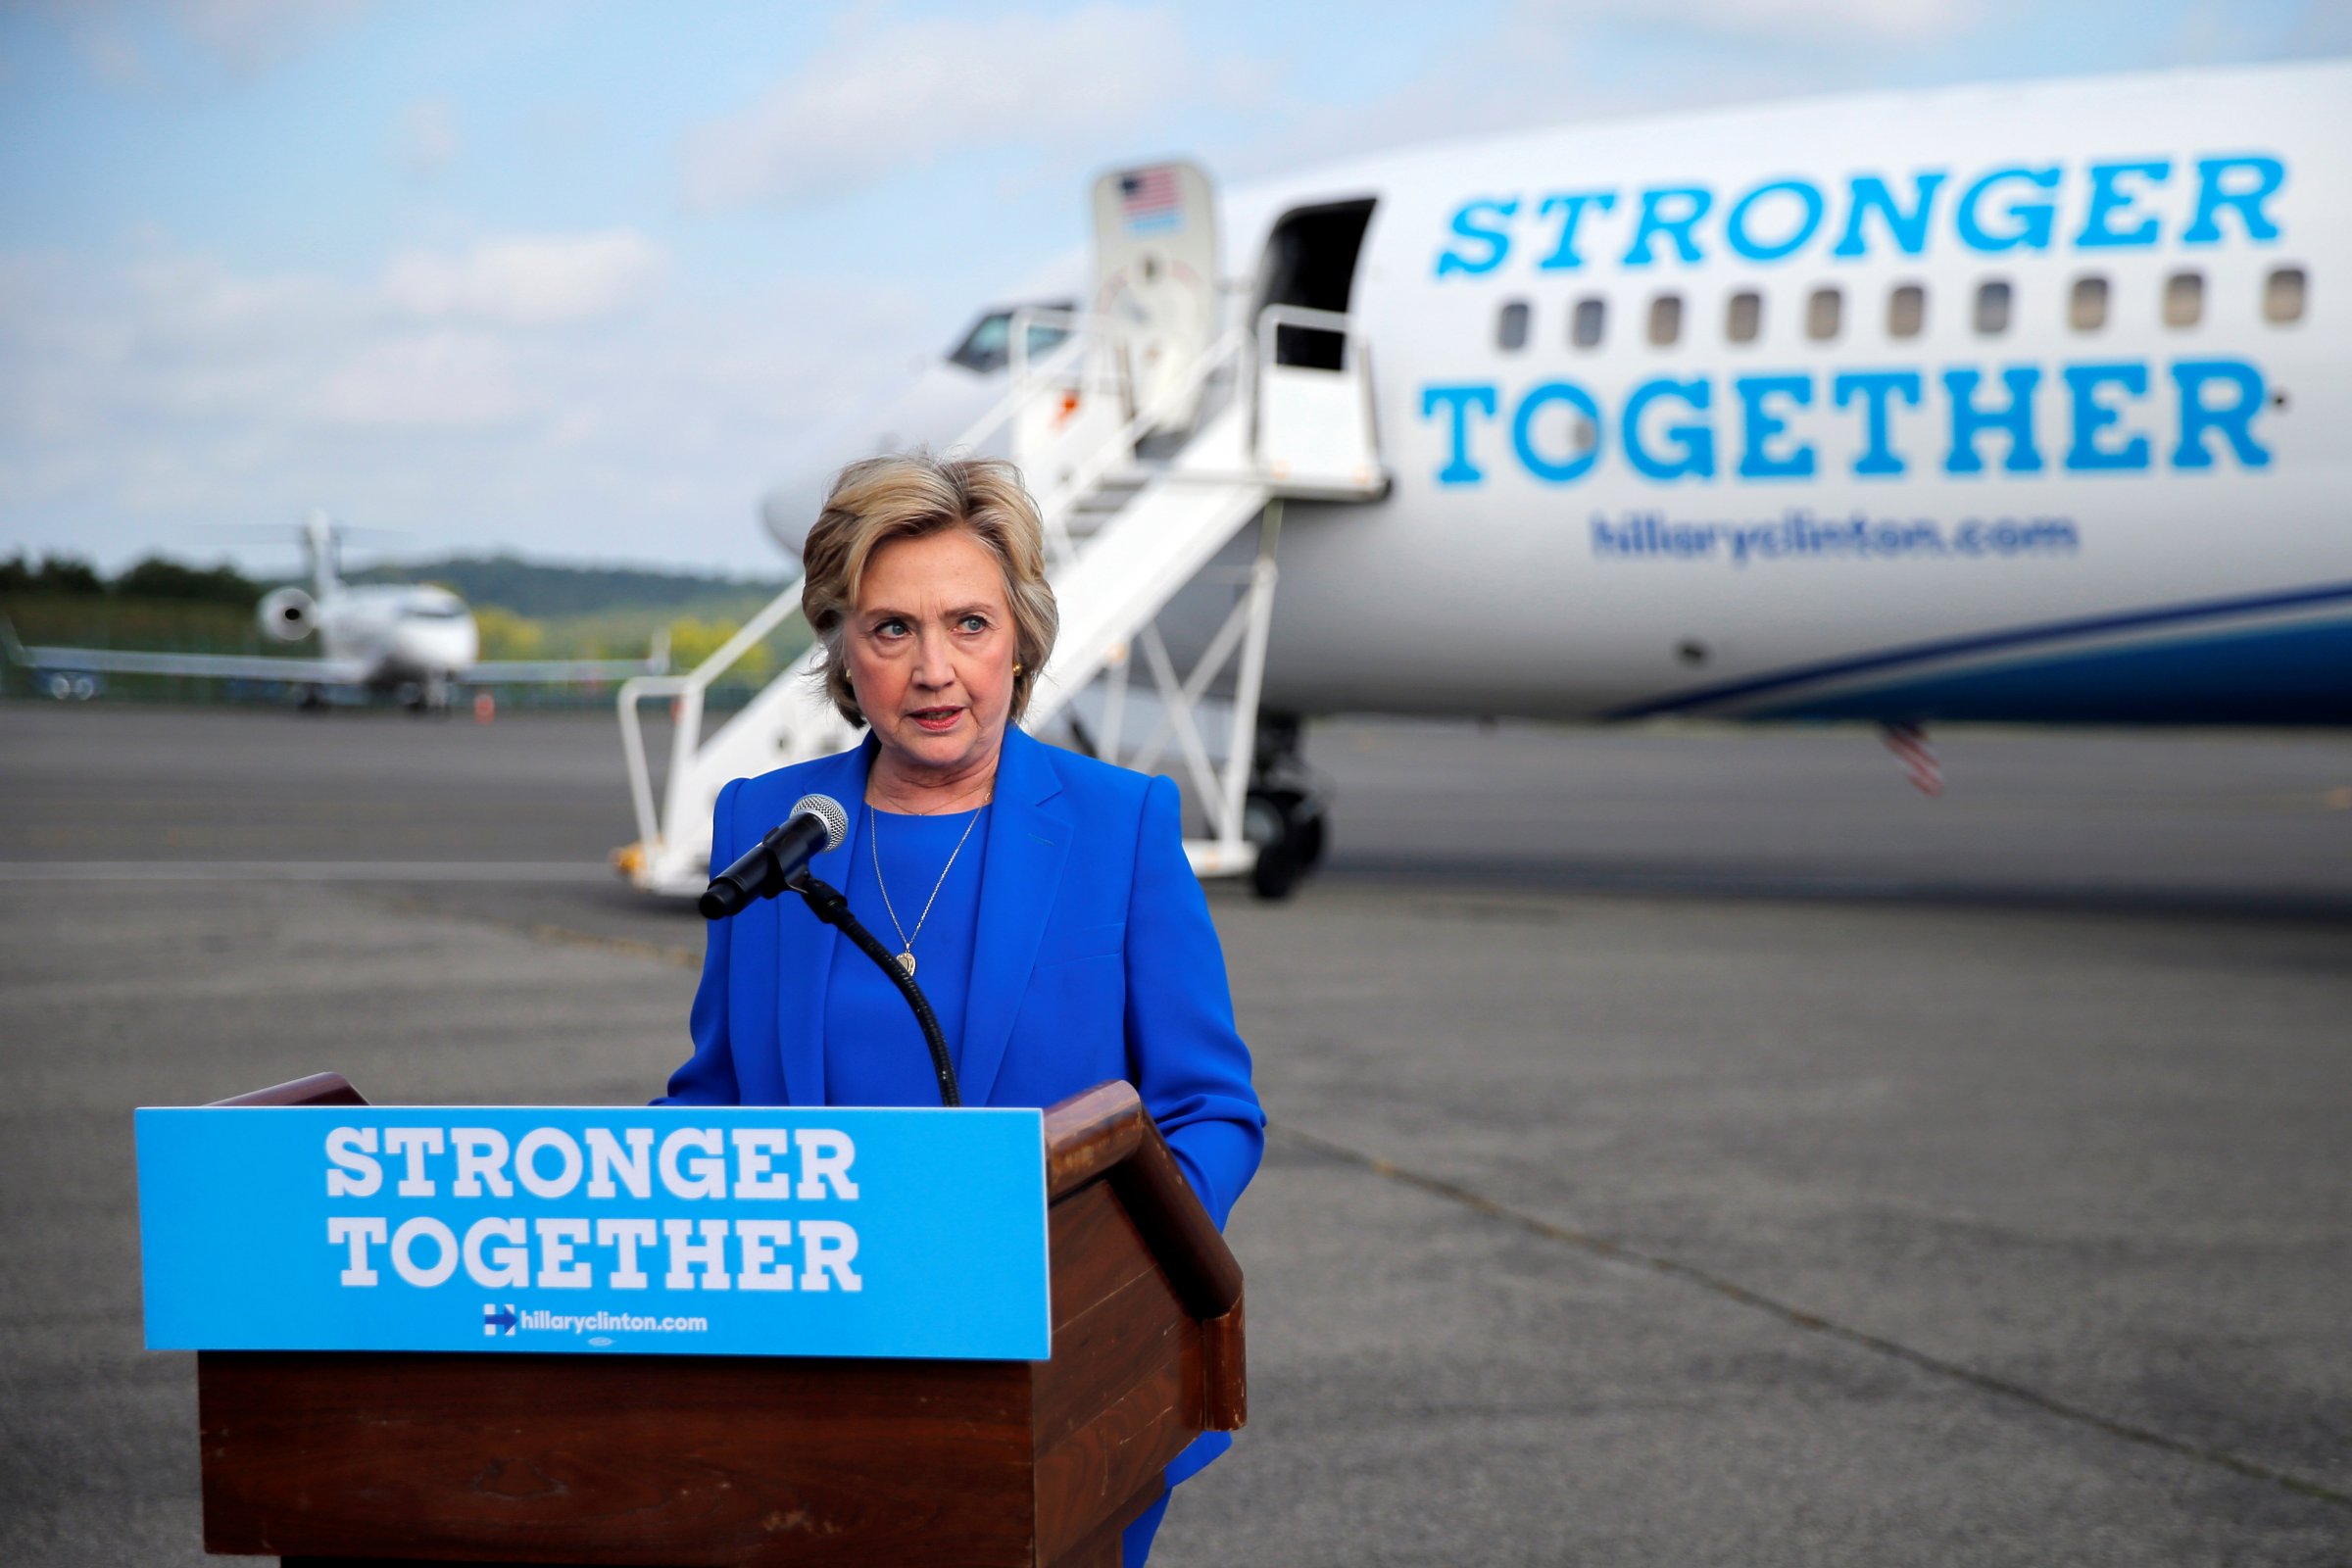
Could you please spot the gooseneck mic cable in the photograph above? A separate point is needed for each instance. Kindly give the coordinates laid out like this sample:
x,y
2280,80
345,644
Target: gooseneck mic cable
x,y
828,904
780,861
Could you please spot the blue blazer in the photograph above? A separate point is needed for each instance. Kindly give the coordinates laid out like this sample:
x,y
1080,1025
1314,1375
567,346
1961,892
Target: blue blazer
x,y
1094,959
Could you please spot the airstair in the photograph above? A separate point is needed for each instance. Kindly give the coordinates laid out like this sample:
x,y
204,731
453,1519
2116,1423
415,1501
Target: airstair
x,y
1145,486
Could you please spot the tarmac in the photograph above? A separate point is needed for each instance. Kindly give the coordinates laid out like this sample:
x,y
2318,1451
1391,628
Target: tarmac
x,y
1689,1146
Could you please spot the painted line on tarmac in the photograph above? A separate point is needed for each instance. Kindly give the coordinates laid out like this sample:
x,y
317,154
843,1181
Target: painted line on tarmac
x,y
562,936
304,872
1812,1322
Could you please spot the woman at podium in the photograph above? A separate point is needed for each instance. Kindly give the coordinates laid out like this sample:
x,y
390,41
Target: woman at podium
x,y
1040,898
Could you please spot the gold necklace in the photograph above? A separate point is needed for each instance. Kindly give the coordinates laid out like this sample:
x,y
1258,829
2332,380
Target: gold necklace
x,y
873,842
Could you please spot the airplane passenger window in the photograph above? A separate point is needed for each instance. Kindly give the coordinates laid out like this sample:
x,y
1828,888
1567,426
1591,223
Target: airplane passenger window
x,y
1583,327
1511,328
2184,299
1906,311
1823,307
1665,320
1993,308
2283,295
1743,319
2087,304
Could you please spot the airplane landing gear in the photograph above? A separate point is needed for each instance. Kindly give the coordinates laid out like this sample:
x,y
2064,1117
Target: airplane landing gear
x,y
1284,815
1288,829
428,698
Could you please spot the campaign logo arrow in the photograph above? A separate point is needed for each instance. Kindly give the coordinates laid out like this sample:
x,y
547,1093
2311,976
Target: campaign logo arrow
x,y
497,1318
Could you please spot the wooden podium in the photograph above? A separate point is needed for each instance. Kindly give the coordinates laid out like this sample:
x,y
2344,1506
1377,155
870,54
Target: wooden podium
x,y
331,1458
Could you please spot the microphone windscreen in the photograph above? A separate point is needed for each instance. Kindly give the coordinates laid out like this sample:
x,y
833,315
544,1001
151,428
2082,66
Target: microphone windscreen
x,y
828,809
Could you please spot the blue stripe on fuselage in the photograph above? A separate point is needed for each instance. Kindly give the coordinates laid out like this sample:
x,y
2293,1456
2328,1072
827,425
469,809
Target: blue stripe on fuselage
x,y
2291,674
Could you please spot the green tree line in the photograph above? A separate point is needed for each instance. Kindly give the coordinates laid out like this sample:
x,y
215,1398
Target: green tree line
x,y
543,592
155,577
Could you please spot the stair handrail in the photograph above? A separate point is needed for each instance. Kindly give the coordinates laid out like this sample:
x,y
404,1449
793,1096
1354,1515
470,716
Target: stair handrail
x,y
1076,325
688,690
1017,394
1117,447
1354,368
1308,318
687,723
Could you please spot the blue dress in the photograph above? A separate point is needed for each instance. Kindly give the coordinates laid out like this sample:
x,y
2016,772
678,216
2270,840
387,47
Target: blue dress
x,y
874,1049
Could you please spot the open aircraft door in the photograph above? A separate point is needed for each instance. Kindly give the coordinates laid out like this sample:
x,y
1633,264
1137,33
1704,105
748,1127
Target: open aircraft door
x,y
1315,429
1156,276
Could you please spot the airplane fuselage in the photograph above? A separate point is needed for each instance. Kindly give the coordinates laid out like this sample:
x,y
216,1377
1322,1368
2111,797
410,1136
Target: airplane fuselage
x,y
2014,403
398,635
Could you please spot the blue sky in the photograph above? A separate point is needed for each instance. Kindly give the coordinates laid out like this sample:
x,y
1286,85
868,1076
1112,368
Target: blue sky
x,y
569,278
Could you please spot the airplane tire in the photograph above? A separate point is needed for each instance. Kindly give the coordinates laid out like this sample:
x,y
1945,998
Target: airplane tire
x,y
1307,823
1288,831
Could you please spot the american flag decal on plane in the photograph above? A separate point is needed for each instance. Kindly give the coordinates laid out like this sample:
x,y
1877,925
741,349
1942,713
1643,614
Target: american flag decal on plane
x,y
1148,200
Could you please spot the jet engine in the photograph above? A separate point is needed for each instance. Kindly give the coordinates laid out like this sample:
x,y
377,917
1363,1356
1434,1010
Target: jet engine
x,y
288,615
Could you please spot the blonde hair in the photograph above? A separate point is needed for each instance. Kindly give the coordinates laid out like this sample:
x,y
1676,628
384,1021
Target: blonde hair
x,y
909,496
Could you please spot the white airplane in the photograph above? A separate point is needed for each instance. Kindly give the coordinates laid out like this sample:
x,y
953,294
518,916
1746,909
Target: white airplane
x,y
2020,402
410,641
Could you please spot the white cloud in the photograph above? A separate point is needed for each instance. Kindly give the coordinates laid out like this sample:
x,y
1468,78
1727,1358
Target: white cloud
x,y
429,140
1553,62
140,402
1849,21
902,96
193,303
248,36
444,379
252,36
113,55
528,281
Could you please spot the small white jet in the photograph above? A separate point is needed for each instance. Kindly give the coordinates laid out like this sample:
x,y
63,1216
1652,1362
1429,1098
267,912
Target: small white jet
x,y
412,642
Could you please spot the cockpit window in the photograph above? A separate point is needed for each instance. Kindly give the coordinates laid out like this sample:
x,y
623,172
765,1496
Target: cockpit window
x,y
988,347
437,612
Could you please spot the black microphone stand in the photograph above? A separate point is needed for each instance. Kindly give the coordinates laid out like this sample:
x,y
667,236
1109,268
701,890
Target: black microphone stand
x,y
828,904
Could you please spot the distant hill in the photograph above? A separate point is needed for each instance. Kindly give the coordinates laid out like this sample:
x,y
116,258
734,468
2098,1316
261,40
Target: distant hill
x,y
537,591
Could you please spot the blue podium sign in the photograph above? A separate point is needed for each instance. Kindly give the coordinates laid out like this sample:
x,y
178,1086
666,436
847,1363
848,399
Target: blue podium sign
x,y
664,1230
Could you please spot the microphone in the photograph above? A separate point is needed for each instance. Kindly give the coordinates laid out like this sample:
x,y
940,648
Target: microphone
x,y
780,861
816,823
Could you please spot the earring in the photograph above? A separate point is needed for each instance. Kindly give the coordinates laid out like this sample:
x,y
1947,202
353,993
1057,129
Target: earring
x,y
1016,669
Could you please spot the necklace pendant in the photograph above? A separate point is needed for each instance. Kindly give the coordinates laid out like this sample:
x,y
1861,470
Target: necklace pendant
x,y
906,961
